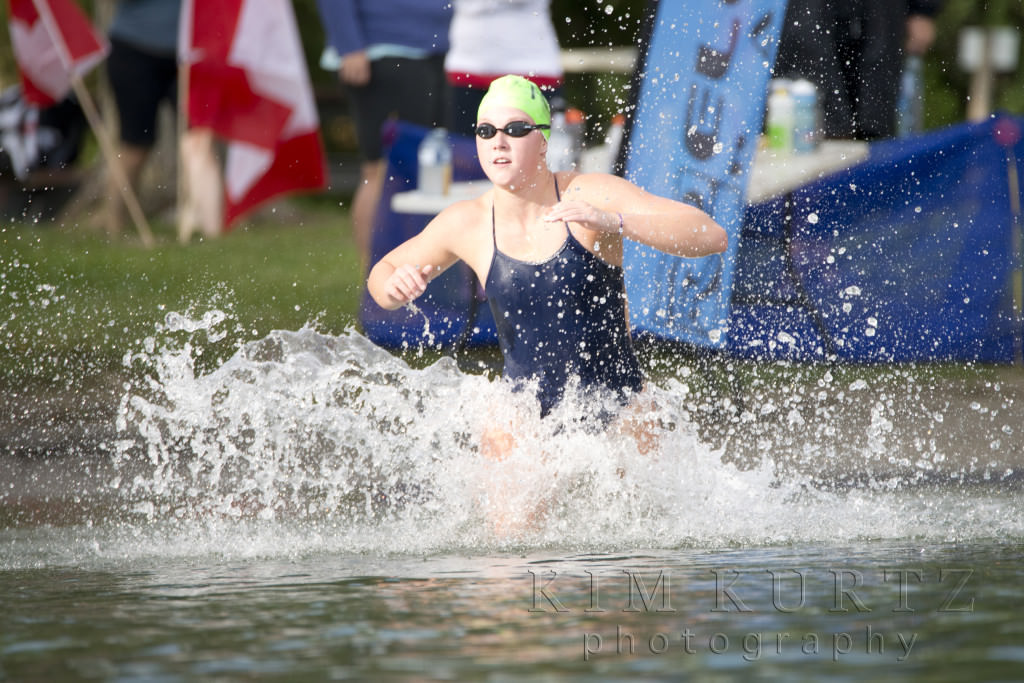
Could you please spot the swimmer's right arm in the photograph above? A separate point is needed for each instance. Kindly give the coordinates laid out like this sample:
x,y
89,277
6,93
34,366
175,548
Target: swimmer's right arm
x,y
393,287
403,274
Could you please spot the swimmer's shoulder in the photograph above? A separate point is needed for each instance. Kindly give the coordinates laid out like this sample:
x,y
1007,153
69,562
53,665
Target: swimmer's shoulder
x,y
465,213
463,225
588,186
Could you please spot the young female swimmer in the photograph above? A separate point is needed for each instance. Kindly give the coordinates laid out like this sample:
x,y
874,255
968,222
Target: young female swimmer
x,y
548,248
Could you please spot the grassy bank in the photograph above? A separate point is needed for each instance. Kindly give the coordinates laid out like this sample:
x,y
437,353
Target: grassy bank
x,y
73,302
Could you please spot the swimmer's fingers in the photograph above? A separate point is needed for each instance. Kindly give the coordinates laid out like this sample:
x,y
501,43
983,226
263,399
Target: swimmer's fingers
x,y
585,214
570,210
407,282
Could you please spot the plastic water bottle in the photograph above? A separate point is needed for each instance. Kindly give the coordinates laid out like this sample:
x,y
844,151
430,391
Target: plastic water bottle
x,y
434,158
575,123
613,141
910,107
566,134
805,116
780,118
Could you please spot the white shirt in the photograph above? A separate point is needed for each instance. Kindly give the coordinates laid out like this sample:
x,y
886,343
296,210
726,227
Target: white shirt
x,y
497,37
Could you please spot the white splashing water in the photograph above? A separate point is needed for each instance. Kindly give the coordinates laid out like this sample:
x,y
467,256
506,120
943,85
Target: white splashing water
x,y
304,442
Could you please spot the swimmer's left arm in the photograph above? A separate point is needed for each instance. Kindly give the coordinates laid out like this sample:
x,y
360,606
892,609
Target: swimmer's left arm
x,y
609,204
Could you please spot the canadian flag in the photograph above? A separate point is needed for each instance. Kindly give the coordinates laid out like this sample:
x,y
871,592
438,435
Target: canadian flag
x,y
249,84
53,42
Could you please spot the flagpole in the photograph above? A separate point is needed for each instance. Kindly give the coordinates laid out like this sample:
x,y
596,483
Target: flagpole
x,y
93,117
113,162
184,67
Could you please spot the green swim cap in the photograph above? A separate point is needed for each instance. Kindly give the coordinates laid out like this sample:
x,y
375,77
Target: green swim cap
x,y
518,92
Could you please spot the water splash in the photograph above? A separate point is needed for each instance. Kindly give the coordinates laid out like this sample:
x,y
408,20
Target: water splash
x,y
306,442
303,442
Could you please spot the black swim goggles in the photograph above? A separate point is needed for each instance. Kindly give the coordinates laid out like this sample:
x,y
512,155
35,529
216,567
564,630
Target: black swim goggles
x,y
513,129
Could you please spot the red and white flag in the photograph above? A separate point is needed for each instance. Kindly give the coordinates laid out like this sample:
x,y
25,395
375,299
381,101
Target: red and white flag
x,y
248,82
53,42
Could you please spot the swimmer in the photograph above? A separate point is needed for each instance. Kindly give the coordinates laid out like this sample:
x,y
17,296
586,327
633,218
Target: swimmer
x,y
548,248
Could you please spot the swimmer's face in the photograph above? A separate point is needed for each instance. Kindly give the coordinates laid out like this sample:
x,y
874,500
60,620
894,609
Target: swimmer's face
x,y
509,160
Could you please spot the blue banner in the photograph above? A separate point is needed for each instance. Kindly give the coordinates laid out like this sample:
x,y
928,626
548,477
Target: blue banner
x,y
912,255
699,110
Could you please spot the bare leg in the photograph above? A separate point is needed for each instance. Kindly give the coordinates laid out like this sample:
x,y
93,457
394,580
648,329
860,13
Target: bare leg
x,y
510,508
636,422
202,203
364,207
132,159
505,517
495,443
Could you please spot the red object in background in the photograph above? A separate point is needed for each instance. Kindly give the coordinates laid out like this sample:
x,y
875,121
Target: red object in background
x,y
248,83
1006,131
52,41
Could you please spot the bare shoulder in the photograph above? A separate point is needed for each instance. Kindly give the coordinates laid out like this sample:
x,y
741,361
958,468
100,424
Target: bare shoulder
x,y
463,230
461,217
595,188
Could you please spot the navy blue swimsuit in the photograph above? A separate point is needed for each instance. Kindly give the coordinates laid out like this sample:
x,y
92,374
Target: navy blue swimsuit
x,y
561,318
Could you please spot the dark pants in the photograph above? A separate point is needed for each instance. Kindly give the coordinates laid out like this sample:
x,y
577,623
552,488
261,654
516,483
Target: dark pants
x,y
140,81
413,90
852,50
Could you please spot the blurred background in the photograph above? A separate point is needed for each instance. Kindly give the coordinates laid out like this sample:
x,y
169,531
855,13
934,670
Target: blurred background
x,y
613,27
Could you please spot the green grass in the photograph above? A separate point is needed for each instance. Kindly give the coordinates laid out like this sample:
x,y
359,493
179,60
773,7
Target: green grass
x,y
73,301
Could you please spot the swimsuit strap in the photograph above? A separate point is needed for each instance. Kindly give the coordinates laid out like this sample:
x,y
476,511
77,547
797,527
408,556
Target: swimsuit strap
x,y
558,198
494,230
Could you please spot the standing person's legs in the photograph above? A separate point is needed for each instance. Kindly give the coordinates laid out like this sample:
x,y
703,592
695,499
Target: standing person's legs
x,y
132,158
878,68
202,187
811,47
140,81
364,207
412,90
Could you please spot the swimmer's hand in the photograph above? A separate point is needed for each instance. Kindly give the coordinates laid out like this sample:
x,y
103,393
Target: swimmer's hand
x,y
406,283
586,215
